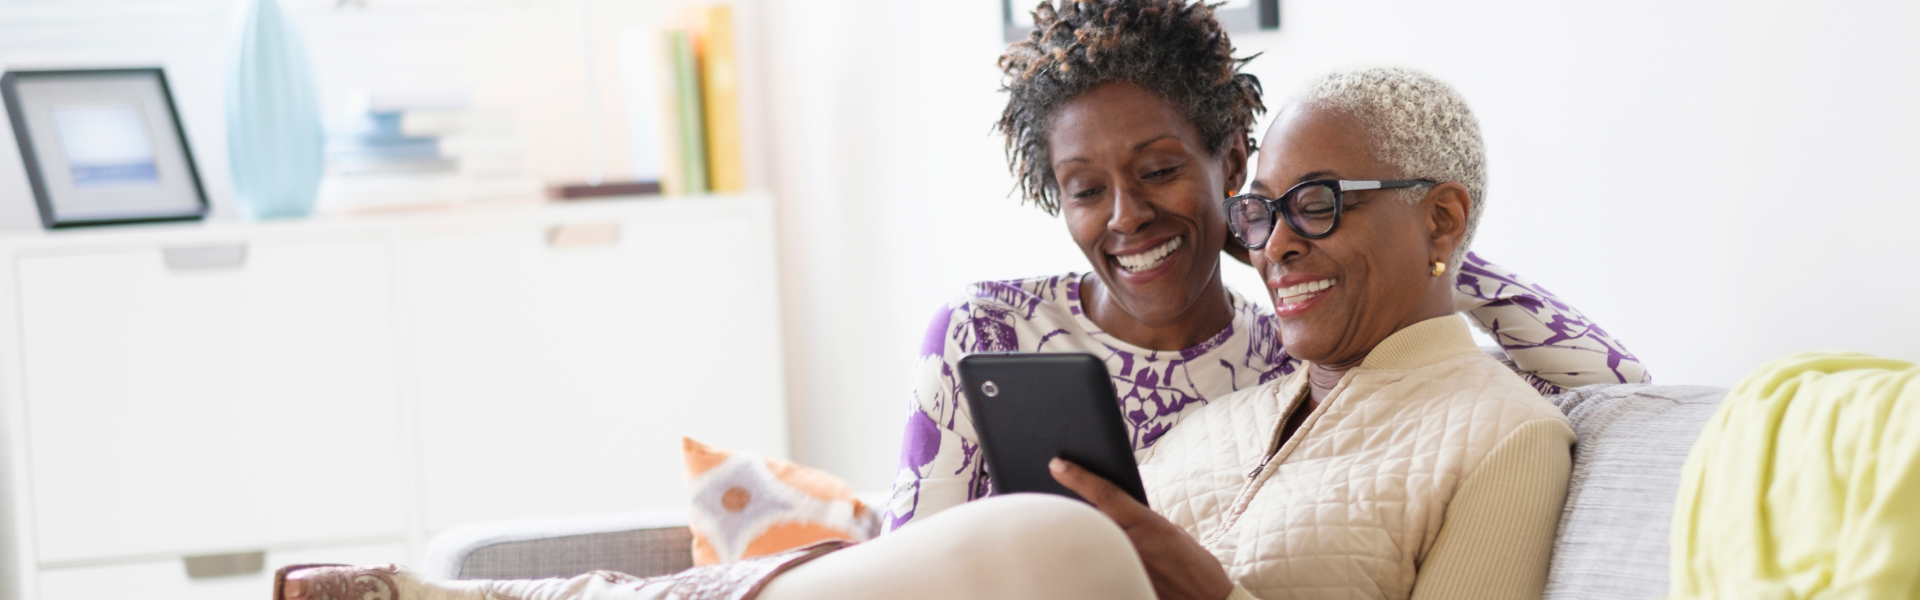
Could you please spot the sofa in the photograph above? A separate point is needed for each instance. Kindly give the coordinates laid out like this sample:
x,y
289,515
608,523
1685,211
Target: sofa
x,y
1612,542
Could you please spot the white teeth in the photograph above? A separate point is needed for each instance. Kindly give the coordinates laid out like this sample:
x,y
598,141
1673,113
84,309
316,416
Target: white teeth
x,y
1297,293
1149,258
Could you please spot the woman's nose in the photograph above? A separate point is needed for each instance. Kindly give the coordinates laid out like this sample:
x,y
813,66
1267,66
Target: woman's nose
x,y
1131,211
1283,244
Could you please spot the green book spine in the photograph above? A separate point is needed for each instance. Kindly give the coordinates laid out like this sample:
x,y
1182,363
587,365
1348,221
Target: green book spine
x,y
693,130
673,170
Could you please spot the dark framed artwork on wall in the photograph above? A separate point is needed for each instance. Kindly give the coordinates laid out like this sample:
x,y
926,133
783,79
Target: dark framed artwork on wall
x,y
103,146
1235,15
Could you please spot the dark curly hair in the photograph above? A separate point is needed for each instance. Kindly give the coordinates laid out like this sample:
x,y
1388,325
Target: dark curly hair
x,y
1169,47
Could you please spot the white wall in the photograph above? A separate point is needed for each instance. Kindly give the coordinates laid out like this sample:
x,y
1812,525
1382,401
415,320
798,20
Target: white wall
x,y
1716,183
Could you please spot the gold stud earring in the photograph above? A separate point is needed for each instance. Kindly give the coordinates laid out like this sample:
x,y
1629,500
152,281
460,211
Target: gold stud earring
x,y
1439,268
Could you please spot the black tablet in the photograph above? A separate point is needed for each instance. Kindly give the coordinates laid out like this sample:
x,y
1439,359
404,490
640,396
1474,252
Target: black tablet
x,y
1031,407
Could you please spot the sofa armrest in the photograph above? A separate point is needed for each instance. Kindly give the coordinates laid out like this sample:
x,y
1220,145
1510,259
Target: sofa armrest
x,y
641,543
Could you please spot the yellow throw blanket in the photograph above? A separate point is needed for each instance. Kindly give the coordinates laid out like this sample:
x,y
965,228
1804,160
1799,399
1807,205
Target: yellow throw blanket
x,y
1806,484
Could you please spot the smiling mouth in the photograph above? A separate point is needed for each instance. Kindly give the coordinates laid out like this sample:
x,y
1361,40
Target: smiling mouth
x,y
1296,294
1146,260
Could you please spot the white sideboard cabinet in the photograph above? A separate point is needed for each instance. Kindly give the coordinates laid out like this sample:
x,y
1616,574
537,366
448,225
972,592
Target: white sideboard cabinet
x,y
186,407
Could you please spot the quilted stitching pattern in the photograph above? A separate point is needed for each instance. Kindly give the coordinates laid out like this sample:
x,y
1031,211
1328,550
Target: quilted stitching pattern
x,y
1351,505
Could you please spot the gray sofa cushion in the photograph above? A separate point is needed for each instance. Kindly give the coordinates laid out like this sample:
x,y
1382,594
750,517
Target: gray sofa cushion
x,y
637,552
1631,443
642,543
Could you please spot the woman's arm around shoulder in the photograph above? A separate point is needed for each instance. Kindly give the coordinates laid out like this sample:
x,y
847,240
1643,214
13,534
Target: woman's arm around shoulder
x,y
1554,345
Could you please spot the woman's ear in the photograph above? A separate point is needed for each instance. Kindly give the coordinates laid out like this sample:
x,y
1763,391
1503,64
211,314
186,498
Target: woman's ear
x,y
1448,208
1236,166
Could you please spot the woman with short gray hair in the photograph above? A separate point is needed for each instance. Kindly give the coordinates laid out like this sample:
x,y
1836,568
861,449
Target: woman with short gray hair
x,y
1400,462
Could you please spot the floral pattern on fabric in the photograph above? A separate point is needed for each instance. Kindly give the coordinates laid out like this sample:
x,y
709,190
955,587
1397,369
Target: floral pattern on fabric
x,y
1552,344
1556,347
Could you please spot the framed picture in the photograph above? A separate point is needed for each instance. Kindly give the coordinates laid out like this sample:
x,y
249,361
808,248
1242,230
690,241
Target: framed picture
x,y
103,146
1235,15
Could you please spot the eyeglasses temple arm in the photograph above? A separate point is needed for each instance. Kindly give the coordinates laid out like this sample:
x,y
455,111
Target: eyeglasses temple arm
x,y
1349,186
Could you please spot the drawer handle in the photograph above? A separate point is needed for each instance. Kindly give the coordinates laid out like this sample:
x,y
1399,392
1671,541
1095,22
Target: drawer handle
x,y
225,565
193,258
583,235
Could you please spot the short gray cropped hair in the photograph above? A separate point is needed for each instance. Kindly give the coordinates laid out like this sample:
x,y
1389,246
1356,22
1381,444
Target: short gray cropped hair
x,y
1417,124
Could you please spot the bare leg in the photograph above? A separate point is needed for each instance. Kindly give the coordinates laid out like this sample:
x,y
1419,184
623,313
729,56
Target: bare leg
x,y
1011,547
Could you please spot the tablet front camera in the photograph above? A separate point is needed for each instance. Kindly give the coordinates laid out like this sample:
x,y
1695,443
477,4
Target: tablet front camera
x,y
989,389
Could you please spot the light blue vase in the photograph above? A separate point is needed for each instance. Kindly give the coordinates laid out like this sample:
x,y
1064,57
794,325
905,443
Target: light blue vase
x,y
274,143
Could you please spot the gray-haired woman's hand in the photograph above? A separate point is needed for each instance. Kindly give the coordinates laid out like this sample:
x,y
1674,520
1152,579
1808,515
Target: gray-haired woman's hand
x,y
1178,566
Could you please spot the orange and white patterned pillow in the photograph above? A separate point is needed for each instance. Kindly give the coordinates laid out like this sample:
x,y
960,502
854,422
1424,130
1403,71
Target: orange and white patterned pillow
x,y
746,505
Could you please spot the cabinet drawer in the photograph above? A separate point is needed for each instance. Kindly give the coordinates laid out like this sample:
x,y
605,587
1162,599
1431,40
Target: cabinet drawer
x,y
168,580
582,366
175,409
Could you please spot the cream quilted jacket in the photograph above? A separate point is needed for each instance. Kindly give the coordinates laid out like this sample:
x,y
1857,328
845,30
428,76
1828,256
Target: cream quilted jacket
x,y
1430,471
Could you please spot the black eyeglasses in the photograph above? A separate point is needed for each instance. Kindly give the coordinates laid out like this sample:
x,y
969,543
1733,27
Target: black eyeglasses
x,y
1312,208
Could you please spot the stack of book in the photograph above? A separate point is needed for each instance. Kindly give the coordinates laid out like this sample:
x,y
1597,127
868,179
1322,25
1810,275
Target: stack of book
x,y
700,90
392,151
373,143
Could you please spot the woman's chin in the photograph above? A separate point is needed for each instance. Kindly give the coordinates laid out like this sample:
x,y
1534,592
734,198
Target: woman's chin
x,y
1311,350
1161,301
1163,291
1310,339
